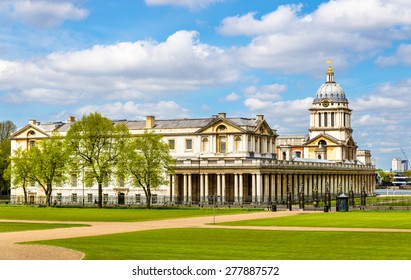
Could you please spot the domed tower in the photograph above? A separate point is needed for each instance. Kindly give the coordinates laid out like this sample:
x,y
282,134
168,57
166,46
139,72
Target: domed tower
x,y
330,132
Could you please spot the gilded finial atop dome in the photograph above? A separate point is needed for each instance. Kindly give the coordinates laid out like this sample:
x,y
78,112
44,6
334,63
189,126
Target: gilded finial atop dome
x,y
330,68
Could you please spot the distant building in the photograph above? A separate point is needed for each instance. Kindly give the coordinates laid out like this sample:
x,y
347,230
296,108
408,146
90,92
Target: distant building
x,y
399,165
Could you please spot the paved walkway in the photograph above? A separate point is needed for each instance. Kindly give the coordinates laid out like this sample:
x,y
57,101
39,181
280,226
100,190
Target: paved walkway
x,y
9,250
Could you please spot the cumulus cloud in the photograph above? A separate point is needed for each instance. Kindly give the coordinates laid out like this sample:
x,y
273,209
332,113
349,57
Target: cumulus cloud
x,y
290,41
265,92
42,13
232,97
402,56
127,70
132,111
191,4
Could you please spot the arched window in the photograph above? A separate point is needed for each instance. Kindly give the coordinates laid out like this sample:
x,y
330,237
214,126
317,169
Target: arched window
x,y
322,144
204,144
284,155
237,141
221,128
298,154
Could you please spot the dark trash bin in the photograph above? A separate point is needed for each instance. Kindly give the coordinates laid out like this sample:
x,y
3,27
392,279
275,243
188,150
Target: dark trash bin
x,y
274,207
326,208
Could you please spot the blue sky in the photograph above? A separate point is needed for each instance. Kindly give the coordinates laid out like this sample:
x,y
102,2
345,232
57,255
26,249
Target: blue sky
x,y
196,58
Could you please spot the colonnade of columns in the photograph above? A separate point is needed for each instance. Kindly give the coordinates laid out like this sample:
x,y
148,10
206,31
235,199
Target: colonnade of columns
x,y
258,188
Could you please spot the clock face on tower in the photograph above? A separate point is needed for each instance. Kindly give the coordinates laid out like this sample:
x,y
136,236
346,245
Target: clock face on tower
x,y
325,102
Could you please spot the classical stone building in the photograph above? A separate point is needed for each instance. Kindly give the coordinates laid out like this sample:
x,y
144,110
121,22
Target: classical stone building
x,y
235,161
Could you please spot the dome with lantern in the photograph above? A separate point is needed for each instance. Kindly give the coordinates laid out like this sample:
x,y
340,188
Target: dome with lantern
x,y
330,89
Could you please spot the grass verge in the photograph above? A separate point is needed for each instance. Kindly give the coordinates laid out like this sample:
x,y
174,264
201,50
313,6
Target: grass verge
x,y
11,226
234,244
108,214
362,219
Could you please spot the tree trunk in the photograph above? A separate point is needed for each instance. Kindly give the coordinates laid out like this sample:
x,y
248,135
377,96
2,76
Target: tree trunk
x,y
100,195
48,194
148,195
26,202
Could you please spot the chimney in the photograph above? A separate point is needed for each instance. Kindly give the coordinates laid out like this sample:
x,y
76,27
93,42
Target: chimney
x,y
33,122
260,117
71,119
150,121
222,115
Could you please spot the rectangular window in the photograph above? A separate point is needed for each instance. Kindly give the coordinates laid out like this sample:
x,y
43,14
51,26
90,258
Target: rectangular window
x,y
332,120
138,198
223,144
325,119
59,197
172,144
74,198
90,198
73,180
319,119
105,198
189,144
154,199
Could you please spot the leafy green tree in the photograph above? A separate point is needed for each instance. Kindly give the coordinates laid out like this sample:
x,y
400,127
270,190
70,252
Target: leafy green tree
x,y
21,168
48,159
96,144
147,160
6,129
386,177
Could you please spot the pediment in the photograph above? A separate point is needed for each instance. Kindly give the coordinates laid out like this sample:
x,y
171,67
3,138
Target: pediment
x,y
330,140
264,128
221,125
29,131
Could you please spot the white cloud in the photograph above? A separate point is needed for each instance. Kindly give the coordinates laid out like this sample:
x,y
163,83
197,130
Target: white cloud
x,y
266,92
127,70
42,13
232,97
290,41
192,4
132,111
402,56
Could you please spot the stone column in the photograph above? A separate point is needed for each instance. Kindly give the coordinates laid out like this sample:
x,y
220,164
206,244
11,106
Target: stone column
x,y
266,187
273,186
236,188
253,189
190,189
241,190
202,198
206,193
219,187
259,187
184,196
223,190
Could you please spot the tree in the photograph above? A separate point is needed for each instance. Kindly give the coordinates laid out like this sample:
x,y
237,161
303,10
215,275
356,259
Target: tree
x,y
147,160
21,169
48,159
96,144
6,129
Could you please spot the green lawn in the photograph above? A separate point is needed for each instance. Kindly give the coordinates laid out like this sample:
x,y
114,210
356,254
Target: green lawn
x,y
362,219
219,244
10,226
107,214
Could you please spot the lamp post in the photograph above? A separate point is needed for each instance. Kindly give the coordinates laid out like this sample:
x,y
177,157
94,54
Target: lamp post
x,y
301,197
289,202
327,205
351,196
315,195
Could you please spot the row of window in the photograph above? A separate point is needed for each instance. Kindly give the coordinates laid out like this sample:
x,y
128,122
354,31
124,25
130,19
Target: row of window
x,y
90,196
328,119
222,144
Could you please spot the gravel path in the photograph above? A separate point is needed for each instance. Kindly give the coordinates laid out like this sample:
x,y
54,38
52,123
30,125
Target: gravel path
x,y
9,250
